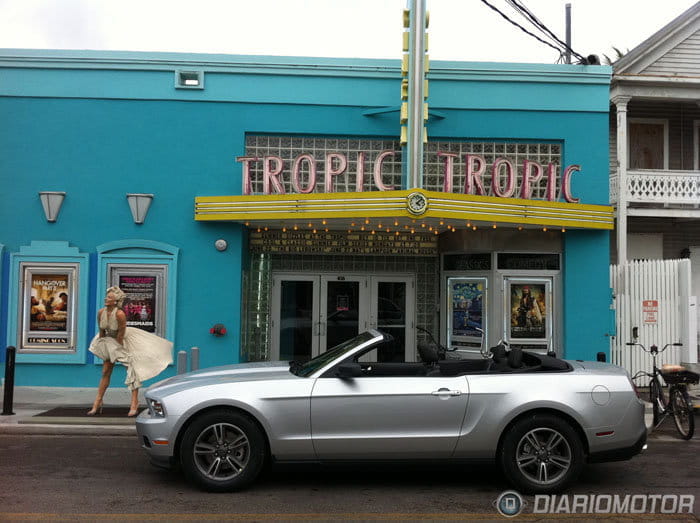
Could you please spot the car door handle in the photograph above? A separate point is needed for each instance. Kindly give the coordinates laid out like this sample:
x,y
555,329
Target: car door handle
x,y
446,392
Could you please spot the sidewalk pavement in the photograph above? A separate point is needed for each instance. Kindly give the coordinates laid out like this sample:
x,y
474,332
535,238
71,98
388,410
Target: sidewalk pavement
x,y
29,402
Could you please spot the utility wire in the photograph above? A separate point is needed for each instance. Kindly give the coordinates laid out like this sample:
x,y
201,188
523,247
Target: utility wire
x,y
521,27
542,28
522,9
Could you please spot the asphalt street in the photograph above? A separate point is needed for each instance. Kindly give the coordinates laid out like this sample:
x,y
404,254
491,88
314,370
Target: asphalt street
x,y
74,477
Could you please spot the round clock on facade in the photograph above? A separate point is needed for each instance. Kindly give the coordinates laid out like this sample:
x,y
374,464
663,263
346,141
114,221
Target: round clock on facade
x,y
417,203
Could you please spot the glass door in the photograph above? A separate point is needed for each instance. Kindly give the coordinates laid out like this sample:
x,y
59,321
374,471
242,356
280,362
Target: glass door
x,y
392,311
343,312
295,327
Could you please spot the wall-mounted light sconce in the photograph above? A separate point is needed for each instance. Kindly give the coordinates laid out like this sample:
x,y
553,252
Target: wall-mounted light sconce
x,y
218,330
139,204
52,201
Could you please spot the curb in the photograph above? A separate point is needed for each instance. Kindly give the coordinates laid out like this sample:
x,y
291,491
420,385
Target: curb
x,y
67,430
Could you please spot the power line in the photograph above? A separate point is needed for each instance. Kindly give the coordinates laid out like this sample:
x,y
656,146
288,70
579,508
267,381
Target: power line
x,y
522,9
558,46
521,27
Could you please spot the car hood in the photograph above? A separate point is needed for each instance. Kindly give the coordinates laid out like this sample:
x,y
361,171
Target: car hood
x,y
264,370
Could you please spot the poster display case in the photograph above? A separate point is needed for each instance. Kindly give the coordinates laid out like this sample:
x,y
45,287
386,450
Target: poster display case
x,y
528,312
466,319
48,311
145,302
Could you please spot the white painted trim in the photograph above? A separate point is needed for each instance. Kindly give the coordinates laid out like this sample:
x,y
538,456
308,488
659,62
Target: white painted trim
x,y
663,121
664,213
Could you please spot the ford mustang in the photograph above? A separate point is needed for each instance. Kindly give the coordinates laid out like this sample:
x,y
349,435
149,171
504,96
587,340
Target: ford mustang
x,y
540,418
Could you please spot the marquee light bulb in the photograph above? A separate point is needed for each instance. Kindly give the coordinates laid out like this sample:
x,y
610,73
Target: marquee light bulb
x,y
295,227
284,229
474,228
544,229
362,228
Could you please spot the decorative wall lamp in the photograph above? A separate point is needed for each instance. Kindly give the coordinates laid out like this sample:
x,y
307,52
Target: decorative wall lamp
x,y
52,201
218,330
139,204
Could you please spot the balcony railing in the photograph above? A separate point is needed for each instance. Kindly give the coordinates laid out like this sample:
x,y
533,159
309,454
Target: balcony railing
x,y
658,186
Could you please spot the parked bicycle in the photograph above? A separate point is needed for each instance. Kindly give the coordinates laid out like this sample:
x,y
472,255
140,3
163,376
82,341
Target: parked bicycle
x,y
678,403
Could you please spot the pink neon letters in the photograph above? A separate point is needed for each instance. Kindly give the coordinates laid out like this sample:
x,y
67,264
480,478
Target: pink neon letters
x,y
503,184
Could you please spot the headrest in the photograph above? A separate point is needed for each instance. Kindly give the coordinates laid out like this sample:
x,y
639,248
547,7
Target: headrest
x,y
515,358
428,352
499,353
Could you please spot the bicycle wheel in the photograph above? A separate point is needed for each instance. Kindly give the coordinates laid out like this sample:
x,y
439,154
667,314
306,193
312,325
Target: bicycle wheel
x,y
682,412
657,398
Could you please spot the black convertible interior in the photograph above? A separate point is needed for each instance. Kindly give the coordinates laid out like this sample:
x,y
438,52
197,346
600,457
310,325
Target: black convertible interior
x,y
433,363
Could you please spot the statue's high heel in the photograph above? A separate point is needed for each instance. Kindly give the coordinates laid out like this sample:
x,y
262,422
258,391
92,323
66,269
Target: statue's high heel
x,y
96,409
133,412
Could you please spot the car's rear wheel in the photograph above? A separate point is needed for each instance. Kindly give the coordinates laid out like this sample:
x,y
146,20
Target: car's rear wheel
x,y
222,450
541,454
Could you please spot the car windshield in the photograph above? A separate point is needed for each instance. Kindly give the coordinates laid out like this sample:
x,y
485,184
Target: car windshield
x,y
311,366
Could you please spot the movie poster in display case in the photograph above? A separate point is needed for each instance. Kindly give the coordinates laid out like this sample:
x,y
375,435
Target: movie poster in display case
x,y
144,286
528,310
48,312
467,312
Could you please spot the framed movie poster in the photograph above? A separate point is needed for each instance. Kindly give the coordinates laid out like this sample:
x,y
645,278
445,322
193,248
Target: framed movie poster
x,y
144,286
48,313
528,310
466,312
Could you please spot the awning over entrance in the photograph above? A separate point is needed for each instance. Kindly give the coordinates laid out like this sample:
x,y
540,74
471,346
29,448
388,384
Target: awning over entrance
x,y
399,209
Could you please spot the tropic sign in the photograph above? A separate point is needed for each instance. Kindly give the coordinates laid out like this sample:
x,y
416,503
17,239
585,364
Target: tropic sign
x,y
500,178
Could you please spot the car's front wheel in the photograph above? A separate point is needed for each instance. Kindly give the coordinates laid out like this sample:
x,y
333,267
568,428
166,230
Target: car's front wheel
x,y
222,450
541,454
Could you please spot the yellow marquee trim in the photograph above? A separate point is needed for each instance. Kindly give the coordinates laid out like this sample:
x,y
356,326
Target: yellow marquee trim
x,y
392,204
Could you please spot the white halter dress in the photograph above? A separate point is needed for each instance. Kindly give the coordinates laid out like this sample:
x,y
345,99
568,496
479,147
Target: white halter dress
x,y
144,354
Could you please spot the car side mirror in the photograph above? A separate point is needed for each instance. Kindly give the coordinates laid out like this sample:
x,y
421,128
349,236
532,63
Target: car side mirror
x,y
349,370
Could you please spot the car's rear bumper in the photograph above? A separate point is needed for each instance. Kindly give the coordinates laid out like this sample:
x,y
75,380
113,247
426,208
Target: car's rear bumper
x,y
620,454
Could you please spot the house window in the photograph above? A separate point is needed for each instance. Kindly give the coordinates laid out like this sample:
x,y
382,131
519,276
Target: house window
x,y
648,143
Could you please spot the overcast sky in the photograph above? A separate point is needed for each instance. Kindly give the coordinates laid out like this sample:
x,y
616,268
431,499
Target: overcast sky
x,y
459,29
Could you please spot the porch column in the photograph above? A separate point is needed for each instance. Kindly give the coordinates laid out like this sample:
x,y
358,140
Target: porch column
x,y
621,208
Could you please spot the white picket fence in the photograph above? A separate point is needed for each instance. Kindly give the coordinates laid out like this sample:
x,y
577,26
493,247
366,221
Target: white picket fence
x,y
668,283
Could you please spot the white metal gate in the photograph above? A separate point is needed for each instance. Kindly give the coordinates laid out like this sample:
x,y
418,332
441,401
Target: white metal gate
x,y
653,296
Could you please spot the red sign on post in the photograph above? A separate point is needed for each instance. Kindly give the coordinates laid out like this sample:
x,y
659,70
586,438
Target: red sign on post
x,y
650,310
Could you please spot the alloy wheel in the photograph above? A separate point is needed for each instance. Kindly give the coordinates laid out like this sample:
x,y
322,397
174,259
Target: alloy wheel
x,y
221,451
543,455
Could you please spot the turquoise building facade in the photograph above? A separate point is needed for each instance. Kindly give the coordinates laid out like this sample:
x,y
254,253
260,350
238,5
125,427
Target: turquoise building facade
x,y
98,126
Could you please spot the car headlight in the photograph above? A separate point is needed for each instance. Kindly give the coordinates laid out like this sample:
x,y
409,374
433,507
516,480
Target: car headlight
x,y
156,408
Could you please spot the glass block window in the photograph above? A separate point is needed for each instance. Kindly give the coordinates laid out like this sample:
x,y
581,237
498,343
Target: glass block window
x,y
516,153
288,148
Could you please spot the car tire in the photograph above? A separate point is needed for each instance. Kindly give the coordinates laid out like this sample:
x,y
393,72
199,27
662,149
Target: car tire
x,y
223,450
541,454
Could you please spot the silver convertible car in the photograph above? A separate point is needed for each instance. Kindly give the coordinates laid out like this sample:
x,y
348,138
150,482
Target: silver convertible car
x,y
540,418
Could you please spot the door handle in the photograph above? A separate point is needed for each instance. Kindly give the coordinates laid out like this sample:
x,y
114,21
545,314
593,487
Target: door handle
x,y
446,392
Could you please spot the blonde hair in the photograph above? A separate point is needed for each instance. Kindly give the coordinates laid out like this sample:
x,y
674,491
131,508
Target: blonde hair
x,y
119,295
